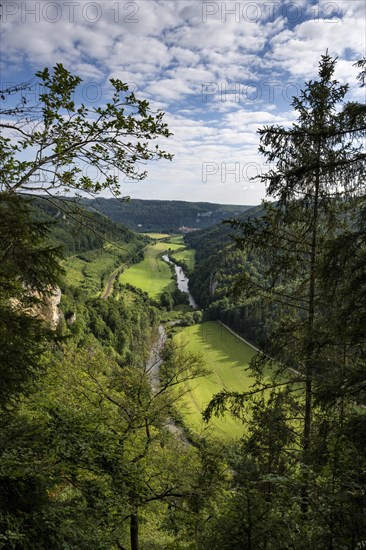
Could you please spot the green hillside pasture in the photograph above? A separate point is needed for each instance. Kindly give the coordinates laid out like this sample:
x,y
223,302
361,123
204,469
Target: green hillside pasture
x,y
166,237
157,236
88,270
187,256
176,239
152,275
74,271
226,358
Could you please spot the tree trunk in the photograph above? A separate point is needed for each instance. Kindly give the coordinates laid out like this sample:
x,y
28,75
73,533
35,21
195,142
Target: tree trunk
x,y
249,530
310,343
134,530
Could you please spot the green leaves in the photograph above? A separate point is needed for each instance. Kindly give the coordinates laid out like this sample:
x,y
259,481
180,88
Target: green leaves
x,y
65,134
29,269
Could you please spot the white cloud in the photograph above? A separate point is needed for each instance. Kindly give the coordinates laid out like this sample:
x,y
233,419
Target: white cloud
x,y
167,51
298,50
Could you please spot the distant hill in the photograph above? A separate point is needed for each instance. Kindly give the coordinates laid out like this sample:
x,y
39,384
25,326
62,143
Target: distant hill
x,y
212,240
163,216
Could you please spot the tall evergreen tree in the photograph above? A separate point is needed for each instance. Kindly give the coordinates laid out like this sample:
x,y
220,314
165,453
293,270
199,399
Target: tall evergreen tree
x,y
317,178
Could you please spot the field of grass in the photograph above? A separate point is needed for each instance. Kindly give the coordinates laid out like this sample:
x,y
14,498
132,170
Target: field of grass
x,y
188,256
152,275
226,358
89,270
74,271
176,239
157,236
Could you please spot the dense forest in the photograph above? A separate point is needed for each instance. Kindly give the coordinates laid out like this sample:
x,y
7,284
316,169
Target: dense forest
x,y
163,216
88,456
84,447
292,282
78,229
219,262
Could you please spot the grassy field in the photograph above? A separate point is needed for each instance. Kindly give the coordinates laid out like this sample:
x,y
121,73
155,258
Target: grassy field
x,y
226,358
89,270
74,271
157,236
188,256
152,275
176,239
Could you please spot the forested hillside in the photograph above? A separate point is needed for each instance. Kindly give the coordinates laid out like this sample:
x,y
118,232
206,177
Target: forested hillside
x,y
219,262
84,446
164,216
93,246
293,282
78,229
105,434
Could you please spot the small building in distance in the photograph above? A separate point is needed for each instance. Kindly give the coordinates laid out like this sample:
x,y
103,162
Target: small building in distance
x,y
185,229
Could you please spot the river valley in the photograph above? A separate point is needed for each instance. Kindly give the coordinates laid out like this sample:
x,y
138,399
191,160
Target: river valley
x,y
182,280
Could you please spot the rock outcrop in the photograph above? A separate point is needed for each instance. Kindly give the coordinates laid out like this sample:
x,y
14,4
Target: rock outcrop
x,y
46,307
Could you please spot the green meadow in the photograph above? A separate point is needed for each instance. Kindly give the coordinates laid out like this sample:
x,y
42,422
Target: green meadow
x,y
188,256
226,358
89,270
152,275
176,239
157,236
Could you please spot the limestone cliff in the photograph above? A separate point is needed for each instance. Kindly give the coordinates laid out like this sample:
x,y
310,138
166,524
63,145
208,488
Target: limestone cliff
x,y
48,309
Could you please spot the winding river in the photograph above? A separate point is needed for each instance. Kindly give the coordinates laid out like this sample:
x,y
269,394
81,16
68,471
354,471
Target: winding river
x,y
182,280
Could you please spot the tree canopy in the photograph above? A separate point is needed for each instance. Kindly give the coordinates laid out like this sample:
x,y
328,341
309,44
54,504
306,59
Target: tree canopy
x,y
299,241
57,141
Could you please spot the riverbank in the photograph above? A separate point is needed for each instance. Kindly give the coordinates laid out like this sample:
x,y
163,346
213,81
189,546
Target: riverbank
x,y
152,367
152,274
181,280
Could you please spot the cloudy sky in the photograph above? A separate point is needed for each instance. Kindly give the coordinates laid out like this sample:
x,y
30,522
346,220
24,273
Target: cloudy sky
x,y
219,69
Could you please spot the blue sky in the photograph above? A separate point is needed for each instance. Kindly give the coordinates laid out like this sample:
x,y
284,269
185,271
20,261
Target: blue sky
x,y
219,70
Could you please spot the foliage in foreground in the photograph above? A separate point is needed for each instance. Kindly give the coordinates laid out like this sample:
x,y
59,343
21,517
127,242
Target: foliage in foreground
x,y
64,137
313,340
86,457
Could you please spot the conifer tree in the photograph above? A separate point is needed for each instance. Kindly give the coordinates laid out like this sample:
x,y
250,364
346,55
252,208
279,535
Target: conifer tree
x,y
317,177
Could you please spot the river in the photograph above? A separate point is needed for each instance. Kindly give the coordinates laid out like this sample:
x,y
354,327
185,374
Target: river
x,y
182,281
153,365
